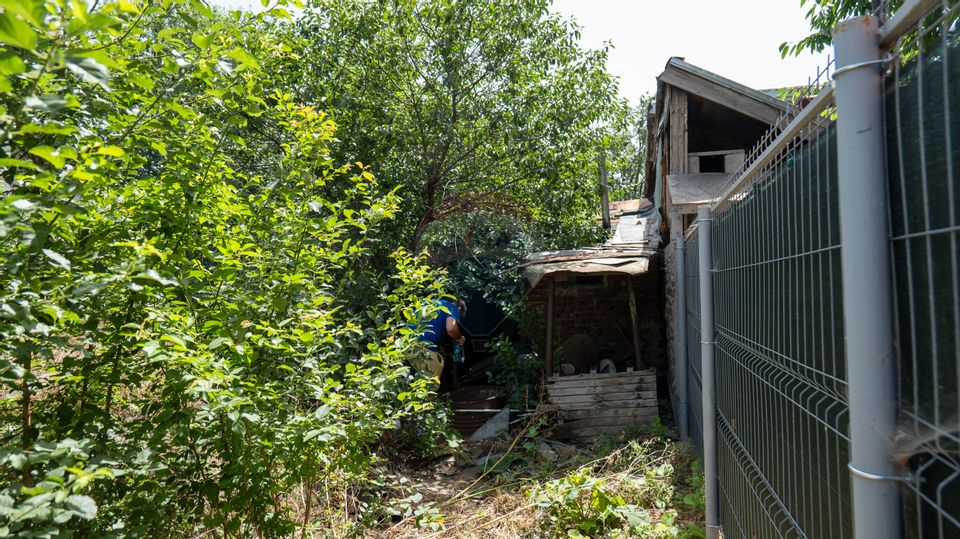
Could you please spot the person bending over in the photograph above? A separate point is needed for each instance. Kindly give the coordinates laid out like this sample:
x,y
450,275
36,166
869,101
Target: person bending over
x,y
446,321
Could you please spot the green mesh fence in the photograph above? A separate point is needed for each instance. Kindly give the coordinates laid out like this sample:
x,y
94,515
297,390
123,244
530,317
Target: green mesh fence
x,y
923,157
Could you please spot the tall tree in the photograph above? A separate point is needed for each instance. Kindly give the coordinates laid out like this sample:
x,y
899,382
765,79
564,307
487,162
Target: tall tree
x,y
467,105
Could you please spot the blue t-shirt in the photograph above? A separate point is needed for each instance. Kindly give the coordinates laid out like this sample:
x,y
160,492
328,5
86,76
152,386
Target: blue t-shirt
x,y
437,326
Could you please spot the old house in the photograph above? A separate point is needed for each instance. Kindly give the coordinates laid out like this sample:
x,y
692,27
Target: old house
x,y
699,133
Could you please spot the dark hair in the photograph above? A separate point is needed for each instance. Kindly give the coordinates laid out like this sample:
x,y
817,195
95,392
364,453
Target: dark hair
x,y
462,307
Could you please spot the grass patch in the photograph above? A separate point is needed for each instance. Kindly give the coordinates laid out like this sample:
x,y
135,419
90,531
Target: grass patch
x,y
533,487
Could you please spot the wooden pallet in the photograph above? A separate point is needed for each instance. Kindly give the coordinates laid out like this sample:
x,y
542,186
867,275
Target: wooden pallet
x,y
592,404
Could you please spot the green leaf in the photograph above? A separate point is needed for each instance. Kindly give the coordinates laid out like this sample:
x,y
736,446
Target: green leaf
x,y
15,32
141,80
201,41
322,411
89,70
128,6
11,64
50,128
30,10
23,204
20,163
242,57
50,154
57,258
45,103
202,8
112,151
83,506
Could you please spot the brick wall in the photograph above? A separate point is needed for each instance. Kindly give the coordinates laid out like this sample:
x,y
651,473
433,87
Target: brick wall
x,y
600,308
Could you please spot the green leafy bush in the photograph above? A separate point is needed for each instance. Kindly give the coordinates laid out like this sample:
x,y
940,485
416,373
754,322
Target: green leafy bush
x,y
630,495
193,318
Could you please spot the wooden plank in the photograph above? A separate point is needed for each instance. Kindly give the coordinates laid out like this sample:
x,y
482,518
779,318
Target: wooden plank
x,y
642,412
634,323
603,397
603,376
612,421
717,152
605,382
682,80
678,132
608,405
589,390
587,432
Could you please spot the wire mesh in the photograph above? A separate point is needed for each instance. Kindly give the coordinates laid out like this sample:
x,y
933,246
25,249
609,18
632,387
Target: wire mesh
x,y
781,384
922,117
782,412
692,319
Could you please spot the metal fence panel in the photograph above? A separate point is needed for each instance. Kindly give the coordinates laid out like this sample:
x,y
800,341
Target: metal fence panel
x,y
692,319
780,366
923,157
782,410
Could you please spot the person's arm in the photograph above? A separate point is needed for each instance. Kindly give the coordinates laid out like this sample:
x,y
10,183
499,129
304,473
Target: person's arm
x,y
453,329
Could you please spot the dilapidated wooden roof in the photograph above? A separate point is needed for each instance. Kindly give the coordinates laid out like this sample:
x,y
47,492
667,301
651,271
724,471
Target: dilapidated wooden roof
x,y
712,87
635,240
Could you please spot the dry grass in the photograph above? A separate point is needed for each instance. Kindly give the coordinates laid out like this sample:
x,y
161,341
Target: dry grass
x,y
460,500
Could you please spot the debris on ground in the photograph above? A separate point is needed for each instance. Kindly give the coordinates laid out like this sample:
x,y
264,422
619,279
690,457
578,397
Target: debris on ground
x,y
532,486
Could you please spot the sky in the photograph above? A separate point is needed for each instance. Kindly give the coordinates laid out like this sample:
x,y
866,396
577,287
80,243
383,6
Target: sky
x,y
737,39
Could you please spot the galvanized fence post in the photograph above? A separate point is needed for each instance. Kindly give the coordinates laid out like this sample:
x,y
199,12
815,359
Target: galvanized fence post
x,y
681,320
709,392
867,284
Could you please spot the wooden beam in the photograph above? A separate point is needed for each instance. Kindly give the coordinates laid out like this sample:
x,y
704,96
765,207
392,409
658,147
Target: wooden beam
x,y
603,396
615,376
549,351
678,132
721,95
633,319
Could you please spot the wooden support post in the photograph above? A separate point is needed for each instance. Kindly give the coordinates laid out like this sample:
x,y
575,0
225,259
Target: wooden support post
x,y
549,350
678,132
634,324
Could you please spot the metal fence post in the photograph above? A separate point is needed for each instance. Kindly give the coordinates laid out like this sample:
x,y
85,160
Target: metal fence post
x,y
867,284
680,318
709,393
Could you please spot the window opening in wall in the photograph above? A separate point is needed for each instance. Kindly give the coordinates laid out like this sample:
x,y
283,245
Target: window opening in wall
x,y
712,163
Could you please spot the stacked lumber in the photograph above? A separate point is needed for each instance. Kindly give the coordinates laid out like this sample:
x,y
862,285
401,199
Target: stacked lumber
x,y
592,404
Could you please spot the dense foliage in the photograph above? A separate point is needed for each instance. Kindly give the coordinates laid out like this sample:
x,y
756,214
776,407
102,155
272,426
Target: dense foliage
x,y
190,322
205,303
472,106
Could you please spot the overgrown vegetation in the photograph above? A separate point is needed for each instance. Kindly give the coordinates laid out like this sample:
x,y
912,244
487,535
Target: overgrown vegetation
x,y
616,487
207,291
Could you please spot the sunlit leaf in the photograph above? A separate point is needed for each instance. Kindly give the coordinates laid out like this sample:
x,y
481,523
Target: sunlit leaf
x,y
57,258
16,32
46,103
50,154
83,506
89,70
